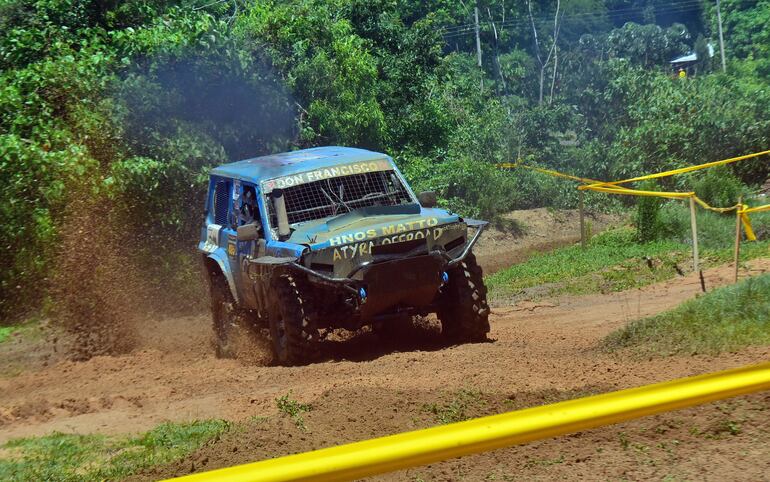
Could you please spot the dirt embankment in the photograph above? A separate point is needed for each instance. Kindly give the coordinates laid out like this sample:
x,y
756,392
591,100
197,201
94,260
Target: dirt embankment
x,y
519,234
539,353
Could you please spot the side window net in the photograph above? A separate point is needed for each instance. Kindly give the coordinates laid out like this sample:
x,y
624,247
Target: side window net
x,y
221,198
329,197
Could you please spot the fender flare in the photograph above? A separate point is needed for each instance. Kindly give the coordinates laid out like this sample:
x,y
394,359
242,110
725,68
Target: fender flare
x,y
213,257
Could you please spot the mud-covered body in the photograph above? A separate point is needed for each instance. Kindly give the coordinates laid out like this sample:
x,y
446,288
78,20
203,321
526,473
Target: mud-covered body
x,y
353,229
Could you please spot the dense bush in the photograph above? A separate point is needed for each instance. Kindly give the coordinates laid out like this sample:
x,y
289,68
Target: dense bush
x,y
648,219
719,187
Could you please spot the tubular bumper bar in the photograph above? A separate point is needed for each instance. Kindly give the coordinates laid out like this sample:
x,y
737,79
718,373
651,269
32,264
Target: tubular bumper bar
x,y
350,284
471,223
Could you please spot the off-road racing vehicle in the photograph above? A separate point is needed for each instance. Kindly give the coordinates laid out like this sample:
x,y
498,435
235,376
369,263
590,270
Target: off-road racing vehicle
x,y
333,237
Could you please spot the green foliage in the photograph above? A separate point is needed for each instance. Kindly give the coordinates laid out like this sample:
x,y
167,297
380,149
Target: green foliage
x,y
666,123
725,319
328,68
66,457
647,45
747,23
648,222
615,261
702,52
715,231
293,409
455,410
5,332
719,187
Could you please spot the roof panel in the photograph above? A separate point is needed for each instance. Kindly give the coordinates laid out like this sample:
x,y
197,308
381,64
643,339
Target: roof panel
x,y
287,163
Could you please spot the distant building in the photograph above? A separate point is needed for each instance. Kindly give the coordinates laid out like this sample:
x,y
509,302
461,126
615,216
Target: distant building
x,y
689,62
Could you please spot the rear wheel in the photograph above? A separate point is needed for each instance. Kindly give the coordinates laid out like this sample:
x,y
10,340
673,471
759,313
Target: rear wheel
x,y
464,312
293,329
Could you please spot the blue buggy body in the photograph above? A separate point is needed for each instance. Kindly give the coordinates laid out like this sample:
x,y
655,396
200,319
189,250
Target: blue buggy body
x,y
333,227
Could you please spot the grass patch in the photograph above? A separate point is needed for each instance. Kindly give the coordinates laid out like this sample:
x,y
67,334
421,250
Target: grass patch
x,y
5,332
715,231
615,261
725,319
639,272
605,250
456,409
293,409
29,329
65,457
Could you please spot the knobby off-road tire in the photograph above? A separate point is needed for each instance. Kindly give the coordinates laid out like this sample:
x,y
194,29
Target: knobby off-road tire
x,y
226,316
464,312
293,329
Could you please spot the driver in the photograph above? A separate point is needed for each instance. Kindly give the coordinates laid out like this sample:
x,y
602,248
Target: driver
x,y
247,206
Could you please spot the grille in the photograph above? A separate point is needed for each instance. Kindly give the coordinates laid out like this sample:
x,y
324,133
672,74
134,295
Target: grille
x,y
399,248
221,196
454,243
329,197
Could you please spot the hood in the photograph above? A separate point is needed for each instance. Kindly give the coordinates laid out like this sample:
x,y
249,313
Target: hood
x,y
368,223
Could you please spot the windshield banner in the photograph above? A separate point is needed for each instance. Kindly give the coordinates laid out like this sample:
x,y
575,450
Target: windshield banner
x,y
326,173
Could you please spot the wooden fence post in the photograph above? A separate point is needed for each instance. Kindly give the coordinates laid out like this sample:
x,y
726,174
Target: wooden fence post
x,y
737,253
694,226
582,223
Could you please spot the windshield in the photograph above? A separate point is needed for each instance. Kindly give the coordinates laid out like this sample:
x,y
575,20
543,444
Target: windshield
x,y
330,197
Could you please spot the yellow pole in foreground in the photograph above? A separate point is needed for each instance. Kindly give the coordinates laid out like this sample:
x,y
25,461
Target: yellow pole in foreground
x,y
410,449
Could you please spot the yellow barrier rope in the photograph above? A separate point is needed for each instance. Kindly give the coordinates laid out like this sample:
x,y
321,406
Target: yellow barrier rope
x,y
634,192
614,187
682,170
705,205
550,172
747,210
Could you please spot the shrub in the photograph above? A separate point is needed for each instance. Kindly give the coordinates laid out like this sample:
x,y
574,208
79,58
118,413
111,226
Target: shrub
x,y
618,237
648,224
719,187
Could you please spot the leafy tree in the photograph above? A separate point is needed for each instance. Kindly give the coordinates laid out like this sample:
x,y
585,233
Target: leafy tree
x,y
745,24
647,45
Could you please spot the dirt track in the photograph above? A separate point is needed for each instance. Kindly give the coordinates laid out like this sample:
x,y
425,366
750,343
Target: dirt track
x,y
540,352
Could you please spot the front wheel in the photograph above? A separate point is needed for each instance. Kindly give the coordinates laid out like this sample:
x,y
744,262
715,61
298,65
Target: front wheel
x,y
463,311
225,315
293,328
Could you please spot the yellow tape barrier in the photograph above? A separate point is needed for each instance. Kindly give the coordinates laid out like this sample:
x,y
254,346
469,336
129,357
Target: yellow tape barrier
x,y
634,192
614,187
550,172
747,210
682,170
370,457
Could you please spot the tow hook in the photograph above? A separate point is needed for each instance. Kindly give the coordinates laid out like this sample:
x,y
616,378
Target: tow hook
x,y
362,294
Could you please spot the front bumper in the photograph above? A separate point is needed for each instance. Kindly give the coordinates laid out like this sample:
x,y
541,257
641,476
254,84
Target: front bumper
x,y
386,276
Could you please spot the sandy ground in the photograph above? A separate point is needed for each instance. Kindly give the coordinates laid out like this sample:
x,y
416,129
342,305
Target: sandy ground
x,y
538,353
